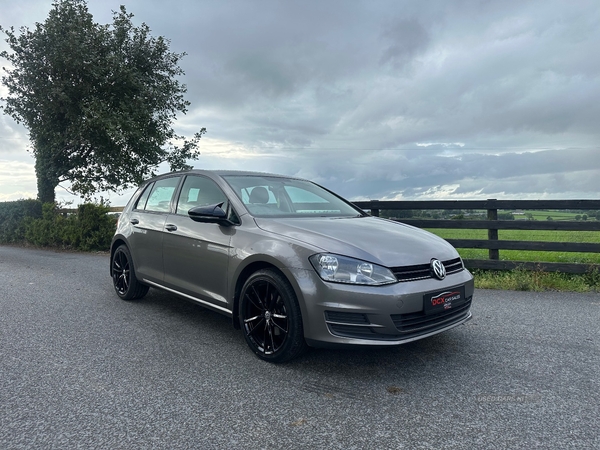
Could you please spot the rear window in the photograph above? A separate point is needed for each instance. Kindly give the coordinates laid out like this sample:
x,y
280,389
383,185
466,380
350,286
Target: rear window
x,y
141,203
159,199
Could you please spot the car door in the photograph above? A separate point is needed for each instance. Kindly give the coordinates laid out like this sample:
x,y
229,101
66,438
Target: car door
x,y
196,255
148,220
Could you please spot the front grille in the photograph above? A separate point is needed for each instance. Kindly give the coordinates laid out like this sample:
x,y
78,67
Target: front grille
x,y
423,271
453,266
358,325
414,324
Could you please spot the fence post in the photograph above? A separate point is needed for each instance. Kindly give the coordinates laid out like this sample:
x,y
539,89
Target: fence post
x,y
374,211
492,214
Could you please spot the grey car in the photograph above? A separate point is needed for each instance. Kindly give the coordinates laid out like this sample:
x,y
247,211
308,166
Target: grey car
x,y
293,264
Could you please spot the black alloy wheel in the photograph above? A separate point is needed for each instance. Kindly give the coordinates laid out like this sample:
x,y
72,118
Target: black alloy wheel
x,y
125,282
270,317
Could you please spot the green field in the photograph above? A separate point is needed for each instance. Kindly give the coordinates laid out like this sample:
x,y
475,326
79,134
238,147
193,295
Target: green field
x,y
555,215
527,235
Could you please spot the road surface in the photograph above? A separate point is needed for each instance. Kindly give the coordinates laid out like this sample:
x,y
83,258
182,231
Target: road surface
x,y
81,368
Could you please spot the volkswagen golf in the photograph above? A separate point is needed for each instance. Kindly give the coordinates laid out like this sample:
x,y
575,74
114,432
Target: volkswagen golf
x,y
291,263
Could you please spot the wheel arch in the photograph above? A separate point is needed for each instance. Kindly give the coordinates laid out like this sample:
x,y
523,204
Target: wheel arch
x,y
255,266
116,243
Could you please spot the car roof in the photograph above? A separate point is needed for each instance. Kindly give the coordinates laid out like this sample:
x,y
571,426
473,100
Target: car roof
x,y
221,173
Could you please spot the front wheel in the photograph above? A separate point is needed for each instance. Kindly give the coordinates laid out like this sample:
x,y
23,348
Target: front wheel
x,y
270,317
125,282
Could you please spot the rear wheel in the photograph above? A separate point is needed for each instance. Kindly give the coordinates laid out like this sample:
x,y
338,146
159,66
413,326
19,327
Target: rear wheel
x,y
270,317
125,282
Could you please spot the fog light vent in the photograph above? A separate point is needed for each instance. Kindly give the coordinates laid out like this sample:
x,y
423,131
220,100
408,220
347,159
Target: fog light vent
x,y
346,318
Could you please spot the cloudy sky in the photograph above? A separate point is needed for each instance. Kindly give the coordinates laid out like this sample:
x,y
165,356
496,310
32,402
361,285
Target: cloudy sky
x,y
375,99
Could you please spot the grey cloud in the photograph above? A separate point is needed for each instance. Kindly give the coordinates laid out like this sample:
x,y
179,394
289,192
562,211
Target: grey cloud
x,y
408,37
515,71
343,91
583,184
377,174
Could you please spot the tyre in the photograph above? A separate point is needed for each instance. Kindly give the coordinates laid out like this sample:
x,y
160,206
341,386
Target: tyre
x,y
270,317
125,282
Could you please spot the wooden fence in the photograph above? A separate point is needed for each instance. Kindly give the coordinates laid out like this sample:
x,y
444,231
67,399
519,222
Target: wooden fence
x,y
492,224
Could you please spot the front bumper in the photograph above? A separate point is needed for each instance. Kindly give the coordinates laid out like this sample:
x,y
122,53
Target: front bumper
x,y
337,314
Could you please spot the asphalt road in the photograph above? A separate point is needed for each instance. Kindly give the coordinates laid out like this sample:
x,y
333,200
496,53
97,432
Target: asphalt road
x,y
81,368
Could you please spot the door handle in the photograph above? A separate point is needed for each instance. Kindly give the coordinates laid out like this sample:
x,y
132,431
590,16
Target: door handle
x,y
134,221
170,227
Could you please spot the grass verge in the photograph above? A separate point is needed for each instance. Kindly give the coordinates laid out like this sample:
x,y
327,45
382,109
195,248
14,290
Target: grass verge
x,y
524,280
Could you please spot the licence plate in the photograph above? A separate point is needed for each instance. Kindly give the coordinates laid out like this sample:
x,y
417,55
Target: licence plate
x,y
438,302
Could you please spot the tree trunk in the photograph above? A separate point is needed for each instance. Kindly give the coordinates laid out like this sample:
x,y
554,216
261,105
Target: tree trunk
x,y
46,180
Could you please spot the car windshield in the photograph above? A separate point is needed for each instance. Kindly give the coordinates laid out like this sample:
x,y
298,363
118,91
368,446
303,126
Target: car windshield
x,y
266,196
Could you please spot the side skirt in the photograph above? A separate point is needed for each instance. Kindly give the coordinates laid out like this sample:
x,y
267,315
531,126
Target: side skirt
x,y
189,297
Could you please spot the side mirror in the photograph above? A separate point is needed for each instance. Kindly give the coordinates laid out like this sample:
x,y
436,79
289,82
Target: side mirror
x,y
209,214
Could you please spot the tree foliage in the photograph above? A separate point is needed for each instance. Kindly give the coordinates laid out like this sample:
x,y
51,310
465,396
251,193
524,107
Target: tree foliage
x,y
99,101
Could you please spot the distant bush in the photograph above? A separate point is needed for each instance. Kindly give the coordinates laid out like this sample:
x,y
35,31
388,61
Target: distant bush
x,y
397,213
46,231
91,228
13,216
506,216
28,221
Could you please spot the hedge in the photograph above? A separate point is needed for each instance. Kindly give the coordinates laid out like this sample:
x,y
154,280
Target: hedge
x,y
13,216
28,221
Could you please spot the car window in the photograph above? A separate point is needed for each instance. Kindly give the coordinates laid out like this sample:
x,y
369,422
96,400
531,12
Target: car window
x,y
201,191
252,194
266,196
161,194
141,203
298,195
307,201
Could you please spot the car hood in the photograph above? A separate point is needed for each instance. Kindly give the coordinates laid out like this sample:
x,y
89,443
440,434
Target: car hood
x,y
372,239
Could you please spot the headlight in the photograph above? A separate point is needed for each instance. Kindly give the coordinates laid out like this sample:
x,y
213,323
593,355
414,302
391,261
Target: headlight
x,y
342,269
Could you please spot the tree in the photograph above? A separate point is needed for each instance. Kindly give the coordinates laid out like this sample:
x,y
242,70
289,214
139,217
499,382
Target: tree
x,y
506,216
98,101
396,213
